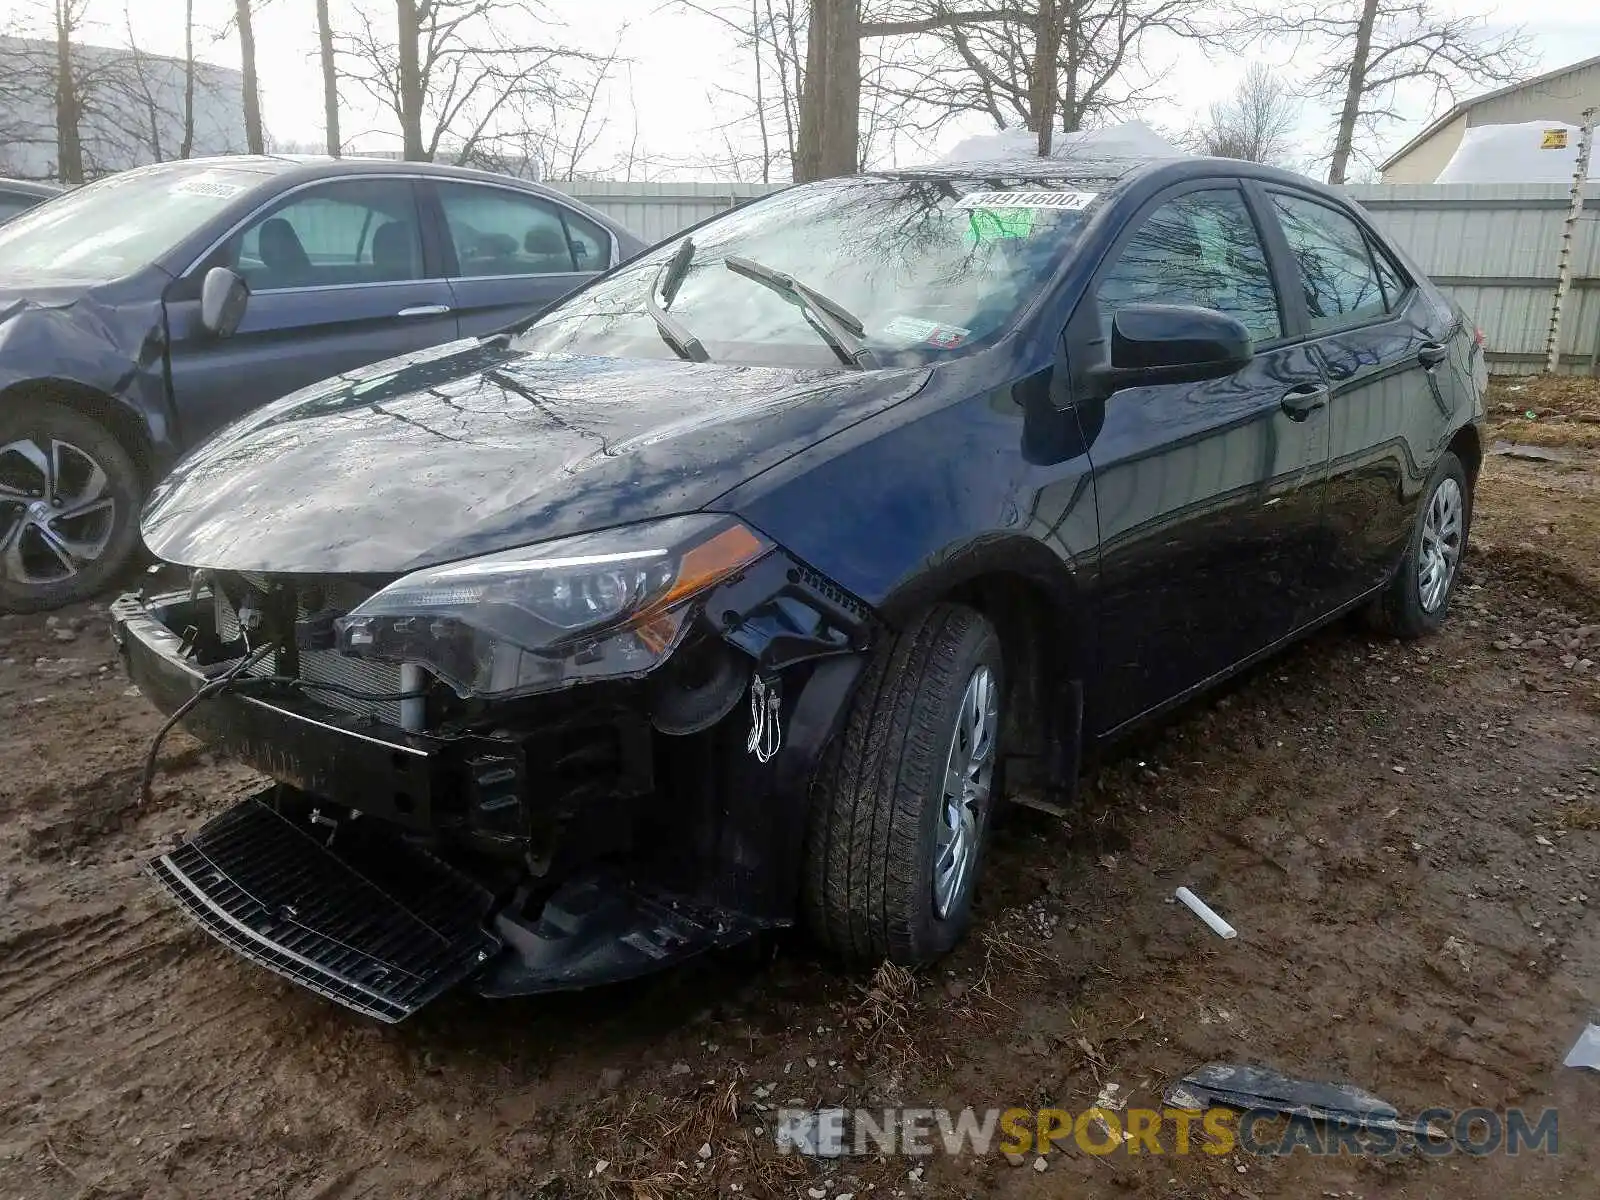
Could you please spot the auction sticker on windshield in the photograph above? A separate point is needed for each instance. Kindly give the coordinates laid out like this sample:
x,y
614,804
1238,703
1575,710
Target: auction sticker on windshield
x,y
1070,201
202,185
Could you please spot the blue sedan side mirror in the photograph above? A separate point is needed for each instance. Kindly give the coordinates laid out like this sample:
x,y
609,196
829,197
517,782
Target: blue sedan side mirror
x,y
223,297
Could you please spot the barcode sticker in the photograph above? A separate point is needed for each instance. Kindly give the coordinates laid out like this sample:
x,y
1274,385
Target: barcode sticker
x,y
1070,201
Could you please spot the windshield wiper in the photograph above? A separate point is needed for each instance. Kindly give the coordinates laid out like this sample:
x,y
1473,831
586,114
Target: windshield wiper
x,y
684,344
837,325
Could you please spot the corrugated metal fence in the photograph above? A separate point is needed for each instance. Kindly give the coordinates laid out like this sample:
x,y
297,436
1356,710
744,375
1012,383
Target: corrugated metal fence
x,y
656,211
1492,247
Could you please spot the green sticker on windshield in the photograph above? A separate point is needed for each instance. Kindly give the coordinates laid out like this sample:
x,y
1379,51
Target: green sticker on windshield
x,y
989,224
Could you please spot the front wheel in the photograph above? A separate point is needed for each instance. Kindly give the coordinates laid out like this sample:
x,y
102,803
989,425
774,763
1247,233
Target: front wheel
x,y
1419,598
69,499
900,809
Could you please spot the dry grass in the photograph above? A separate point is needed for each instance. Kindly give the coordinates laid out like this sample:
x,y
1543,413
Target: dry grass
x,y
884,1006
651,1148
1581,814
1558,434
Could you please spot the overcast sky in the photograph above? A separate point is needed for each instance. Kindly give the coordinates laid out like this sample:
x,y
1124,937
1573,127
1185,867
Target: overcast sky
x,y
676,63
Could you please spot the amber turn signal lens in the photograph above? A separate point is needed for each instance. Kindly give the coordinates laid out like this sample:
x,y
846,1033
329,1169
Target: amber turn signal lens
x,y
713,560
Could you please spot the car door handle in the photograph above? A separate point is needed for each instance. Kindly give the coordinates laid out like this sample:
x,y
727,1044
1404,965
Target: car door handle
x,y
1431,354
424,310
1304,399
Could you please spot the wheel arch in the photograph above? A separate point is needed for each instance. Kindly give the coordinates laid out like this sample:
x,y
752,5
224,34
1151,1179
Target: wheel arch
x,y
1031,597
1467,445
121,420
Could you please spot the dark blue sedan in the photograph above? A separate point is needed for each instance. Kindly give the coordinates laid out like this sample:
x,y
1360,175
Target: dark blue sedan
x,y
111,365
736,590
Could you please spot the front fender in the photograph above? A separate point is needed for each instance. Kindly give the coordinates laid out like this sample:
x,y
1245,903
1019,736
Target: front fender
x,y
86,350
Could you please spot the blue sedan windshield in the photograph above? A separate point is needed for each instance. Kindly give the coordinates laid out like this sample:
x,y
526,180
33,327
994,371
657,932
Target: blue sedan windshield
x,y
118,224
931,267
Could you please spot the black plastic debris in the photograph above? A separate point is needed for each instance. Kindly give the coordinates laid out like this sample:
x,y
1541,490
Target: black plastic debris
x,y
1230,1085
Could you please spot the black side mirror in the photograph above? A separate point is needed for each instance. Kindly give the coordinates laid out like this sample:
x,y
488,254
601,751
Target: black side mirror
x,y
1174,343
223,297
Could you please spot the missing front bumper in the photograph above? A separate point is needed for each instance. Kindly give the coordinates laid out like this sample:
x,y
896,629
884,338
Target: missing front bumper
x,y
380,926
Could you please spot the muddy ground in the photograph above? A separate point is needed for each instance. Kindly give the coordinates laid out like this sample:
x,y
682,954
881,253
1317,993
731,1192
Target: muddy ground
x,y
1407,837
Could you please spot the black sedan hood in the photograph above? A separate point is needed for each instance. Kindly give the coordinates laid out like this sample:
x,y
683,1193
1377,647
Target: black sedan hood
x,y
475,447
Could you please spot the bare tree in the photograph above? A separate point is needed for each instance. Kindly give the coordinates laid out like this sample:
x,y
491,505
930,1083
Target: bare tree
x,y
186,148
330,79
770,33
144,93
69,17
1373,50
1052,65
1255,123
458,71
243,17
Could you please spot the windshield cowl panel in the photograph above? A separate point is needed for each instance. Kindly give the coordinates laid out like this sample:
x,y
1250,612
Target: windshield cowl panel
x,y
931,268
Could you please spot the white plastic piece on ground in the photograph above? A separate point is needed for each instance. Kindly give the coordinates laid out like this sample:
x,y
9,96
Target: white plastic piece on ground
x,y
818,1133
1134,139
1204,911
1585,1051
1517,154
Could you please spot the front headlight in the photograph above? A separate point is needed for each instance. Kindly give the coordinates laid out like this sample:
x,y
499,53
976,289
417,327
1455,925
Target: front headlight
x,y
605,605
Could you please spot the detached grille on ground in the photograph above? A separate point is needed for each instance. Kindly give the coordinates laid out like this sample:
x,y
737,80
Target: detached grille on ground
x,y
382,931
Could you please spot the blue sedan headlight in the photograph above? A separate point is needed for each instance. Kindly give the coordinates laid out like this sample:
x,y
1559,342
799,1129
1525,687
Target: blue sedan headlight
x,y
605,605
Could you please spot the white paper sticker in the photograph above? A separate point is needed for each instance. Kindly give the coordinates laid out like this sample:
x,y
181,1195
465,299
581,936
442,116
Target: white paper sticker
x,y
1059,200
201,186
915,329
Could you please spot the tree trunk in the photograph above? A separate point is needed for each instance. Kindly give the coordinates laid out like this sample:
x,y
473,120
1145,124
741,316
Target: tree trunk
x,y
1354,87
1046,42
255,142
409,33
187,147
830,106
330,80
761,100
69,147
1070,32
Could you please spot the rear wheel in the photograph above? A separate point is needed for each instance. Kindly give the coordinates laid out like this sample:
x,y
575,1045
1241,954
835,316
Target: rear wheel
x,y
900,811
1419,598
69,497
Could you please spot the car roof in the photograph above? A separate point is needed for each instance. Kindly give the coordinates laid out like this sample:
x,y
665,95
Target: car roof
x,y
321,166
1103,172
30,187
307,168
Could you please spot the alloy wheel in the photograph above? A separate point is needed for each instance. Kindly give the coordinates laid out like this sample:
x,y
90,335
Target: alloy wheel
x,y
968,778
1443,526
57,511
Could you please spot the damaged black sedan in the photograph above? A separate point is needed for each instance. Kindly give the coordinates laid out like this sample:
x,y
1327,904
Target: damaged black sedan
x,y
732,593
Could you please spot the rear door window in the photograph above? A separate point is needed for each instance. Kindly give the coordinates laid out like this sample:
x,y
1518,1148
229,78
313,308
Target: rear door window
x,y
1389,276
1336,270
498,231
1200,248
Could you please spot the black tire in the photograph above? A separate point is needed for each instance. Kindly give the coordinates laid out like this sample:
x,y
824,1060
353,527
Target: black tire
x,y
1402,610
33,578
877,805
